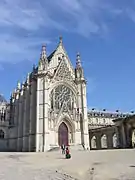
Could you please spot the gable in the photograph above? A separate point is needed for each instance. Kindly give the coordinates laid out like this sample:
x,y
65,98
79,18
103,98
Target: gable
x,y
63,71
55,57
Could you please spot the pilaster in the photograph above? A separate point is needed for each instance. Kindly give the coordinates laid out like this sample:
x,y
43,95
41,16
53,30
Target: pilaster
x,y
15,119
45,119
39,136
20,125
27,120
82,102
123,135
42,132
32,130
24,120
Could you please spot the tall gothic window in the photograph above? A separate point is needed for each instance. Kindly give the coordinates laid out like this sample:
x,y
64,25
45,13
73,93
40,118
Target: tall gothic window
x,y
60,96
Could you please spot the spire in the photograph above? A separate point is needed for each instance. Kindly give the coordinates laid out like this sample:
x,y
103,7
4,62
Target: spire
x,y
23,85
78,61
28,79
60,40
34,68
43,52
18,85
11,94
15,90
79,70
43,62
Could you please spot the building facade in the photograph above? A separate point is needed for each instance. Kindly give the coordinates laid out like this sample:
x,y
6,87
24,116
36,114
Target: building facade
x,y
50,108
126,131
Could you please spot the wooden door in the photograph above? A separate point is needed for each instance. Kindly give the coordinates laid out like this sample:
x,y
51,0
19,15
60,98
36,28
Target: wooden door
x,y
63,134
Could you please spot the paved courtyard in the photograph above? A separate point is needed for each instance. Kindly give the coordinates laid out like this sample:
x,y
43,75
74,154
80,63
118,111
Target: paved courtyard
x,y
84,165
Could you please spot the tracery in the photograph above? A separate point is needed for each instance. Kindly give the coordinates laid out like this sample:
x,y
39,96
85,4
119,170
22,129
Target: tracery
x,y
60,96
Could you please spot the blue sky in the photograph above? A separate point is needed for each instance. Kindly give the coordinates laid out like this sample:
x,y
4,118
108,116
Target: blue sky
x,y
103,31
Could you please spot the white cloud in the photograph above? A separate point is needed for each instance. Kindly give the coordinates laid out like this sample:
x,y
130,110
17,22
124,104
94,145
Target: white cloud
x,y
25,24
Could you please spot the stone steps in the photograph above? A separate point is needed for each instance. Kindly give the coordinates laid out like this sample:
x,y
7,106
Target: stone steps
x,y
71,147
76,147
54,149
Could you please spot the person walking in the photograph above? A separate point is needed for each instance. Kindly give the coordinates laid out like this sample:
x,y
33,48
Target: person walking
x,y
63,148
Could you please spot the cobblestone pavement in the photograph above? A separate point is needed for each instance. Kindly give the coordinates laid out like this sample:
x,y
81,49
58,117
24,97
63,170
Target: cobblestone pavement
x,y
84,165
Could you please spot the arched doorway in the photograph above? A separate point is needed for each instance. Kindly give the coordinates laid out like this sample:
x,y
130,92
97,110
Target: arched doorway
x,y
115,141
104,141
93,142
130,138
133,138
63,134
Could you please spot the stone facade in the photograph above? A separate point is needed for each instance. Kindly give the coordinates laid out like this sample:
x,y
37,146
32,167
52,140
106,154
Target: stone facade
x,y
103,138
50,107
4,124
126,131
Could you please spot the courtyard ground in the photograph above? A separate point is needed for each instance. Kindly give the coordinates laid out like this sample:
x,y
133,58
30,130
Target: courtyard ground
x,y
84,165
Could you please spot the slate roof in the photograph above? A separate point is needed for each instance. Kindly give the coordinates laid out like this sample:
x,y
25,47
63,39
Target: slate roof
x,y
50,56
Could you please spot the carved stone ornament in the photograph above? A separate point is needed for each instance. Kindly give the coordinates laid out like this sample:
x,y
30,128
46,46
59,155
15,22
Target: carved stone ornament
x,y
63,71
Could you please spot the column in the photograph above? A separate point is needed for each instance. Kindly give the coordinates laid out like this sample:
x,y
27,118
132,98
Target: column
x,y
123,136
78,132
118,136
85,115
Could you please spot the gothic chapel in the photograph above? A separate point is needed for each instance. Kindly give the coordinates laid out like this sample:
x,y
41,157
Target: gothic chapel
x,y
50,107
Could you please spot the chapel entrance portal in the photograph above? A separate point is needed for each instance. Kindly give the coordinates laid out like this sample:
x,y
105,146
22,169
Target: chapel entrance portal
x,y
63,134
